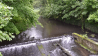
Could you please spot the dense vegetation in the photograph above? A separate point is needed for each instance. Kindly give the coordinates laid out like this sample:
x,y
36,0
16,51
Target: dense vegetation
x,y
1,54
77,12
5,17
16,16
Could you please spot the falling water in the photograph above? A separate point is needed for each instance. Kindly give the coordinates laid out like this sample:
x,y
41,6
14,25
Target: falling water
x,y
49,47
26,43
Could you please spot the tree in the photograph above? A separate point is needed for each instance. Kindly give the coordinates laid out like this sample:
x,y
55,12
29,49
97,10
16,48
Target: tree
x,y
16,16
81,11
5,17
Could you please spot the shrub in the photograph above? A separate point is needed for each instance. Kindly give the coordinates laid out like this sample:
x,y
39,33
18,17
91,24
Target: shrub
x,y
5,17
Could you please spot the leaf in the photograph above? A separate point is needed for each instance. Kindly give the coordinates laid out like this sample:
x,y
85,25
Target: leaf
x,y
12,36
0,40
84,12
1,54
96,19
73,6
93,6
0,26
9,39
1,37
0,31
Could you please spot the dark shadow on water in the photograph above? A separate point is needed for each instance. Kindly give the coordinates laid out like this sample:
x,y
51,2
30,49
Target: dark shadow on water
x,y
52,28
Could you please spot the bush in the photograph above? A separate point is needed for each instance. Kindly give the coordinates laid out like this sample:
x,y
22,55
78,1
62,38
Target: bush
x,y
5,17
16,16
84,11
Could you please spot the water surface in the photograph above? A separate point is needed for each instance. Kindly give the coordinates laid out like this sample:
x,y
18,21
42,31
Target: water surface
x,y
53,32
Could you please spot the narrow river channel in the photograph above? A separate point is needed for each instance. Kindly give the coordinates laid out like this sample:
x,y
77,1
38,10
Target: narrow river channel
x,y
42,41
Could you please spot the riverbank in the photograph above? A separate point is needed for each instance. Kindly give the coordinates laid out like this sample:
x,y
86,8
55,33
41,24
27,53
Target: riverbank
x,y
51,28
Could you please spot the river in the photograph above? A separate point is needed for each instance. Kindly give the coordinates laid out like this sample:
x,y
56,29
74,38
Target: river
x,y
42,41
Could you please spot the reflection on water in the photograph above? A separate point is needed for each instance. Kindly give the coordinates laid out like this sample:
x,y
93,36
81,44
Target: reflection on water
x,y
26,43
51,28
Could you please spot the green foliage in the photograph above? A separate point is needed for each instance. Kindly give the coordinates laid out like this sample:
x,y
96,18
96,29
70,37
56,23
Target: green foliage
x,y
16,16
93,17
85,11
22,24
92,35
23,9
84,35
5,17
1,54
92,26
11,28
37,4
6,36
52,12
93,9
71,9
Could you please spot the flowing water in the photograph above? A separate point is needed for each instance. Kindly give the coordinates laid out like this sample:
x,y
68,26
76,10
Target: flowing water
x,y
49,47
39,41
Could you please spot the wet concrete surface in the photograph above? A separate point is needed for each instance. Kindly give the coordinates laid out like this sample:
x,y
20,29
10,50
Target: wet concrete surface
x,y
52,28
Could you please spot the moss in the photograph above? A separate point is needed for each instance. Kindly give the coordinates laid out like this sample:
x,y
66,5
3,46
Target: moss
x,y
89,49
78,35
40,47
85,47
1,54
48,55
85,38
84,35
92,35
43,54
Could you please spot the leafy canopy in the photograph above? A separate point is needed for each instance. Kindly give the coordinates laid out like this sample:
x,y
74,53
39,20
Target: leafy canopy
x,y
16,16
5,17
69,9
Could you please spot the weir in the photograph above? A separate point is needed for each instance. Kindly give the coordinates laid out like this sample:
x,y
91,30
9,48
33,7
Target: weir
x,y
53,40
55,46
86,43
39,48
